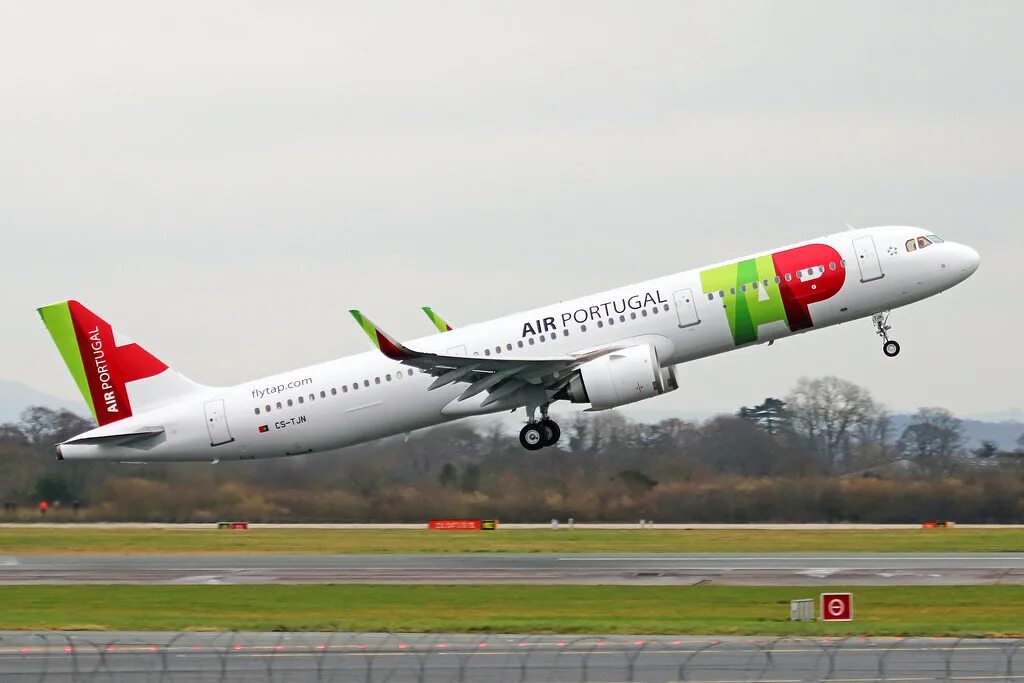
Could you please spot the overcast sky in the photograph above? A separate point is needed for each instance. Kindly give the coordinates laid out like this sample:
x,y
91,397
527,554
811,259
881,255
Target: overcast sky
x,y
222,181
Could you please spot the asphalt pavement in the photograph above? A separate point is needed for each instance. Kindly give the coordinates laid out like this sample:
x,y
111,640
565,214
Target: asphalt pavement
x,y
535,568
253,657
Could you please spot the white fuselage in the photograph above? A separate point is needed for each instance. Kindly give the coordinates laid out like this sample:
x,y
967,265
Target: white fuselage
x,y
368,396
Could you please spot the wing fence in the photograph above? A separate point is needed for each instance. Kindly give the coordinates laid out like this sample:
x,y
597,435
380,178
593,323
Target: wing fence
x,y
95,657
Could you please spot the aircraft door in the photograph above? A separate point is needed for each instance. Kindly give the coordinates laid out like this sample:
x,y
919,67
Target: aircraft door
x,y
457,351
686,308
867,259
217,423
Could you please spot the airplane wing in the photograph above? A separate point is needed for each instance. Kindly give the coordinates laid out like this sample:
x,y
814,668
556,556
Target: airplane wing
x,y
508,378
440,323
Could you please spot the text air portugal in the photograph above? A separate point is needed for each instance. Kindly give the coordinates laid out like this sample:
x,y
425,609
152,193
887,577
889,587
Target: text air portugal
x,y
109,368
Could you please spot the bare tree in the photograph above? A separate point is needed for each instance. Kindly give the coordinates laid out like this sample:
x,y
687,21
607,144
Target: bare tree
x,y
934,438
827,411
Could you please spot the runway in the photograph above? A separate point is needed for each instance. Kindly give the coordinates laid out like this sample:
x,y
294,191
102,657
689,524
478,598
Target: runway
x,y
251,657
534,568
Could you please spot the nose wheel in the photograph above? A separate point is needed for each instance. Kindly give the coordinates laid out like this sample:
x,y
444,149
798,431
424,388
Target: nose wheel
x,y
890,347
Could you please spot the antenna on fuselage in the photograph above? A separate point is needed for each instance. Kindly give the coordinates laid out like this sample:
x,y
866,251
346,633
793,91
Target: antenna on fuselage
x,y
850,227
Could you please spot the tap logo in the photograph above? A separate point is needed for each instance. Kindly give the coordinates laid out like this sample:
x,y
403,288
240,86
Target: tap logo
x,y
777,287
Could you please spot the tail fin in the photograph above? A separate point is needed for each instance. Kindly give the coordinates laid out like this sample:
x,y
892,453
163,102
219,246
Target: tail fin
x,y
116,376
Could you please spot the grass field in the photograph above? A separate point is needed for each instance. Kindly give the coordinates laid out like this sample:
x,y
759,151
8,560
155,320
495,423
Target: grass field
x,y
24,540
878,610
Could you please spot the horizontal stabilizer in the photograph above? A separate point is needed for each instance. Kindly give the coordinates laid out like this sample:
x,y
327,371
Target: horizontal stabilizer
x,y
122,439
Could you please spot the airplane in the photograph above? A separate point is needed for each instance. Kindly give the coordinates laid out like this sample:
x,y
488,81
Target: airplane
x,y
603,350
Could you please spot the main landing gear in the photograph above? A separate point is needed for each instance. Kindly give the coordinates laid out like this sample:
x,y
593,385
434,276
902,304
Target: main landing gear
x,y
537,435
889,347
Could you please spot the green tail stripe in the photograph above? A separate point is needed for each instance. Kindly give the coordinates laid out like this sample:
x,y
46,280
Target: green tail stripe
x,y
57,318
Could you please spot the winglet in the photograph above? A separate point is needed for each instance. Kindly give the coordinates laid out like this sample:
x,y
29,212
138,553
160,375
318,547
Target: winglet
x,y
440,323
380,339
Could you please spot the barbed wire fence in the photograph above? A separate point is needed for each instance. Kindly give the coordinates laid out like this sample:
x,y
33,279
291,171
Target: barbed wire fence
x,y
96,657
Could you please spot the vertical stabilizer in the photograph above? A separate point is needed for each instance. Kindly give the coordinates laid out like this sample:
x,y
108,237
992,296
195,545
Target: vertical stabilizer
x,y
116,376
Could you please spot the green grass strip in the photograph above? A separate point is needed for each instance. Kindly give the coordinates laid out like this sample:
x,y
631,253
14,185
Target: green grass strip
x,y
747,610
25,540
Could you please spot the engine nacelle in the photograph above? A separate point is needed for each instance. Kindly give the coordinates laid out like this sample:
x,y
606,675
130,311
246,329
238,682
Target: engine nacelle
x,y
620,377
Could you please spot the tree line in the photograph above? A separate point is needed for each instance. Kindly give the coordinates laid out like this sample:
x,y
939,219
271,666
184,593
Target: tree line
x,y
826,451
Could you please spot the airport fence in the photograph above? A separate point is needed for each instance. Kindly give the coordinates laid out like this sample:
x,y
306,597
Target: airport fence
x,y
394,658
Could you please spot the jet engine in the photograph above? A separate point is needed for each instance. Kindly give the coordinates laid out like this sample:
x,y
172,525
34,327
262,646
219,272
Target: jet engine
x,y
618,378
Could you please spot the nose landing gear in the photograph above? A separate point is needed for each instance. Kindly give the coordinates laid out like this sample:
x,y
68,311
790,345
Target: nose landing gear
x,y
890,347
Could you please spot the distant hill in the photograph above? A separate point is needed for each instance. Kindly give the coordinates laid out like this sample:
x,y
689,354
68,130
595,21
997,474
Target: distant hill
x,y
15,397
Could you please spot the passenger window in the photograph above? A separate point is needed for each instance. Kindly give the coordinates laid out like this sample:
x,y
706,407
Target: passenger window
x,y
654,310
664,307
911,245
789,277
732,290
334,392
410,372
743,288
611,321
497,349
508,347
922,242
323,394
279,405
721,294
765,283
778,279
842,264
542,337
711,297
387,377
565,332
583,328
301,400
754,285
520,343
632,315
257,411
487,352
312,397
267,407
290,404
344,388
832,265
366,382
530,340
622,318
600,323
355,386
376,380
643,313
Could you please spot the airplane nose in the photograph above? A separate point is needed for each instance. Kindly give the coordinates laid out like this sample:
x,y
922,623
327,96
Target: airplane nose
x,y
969,259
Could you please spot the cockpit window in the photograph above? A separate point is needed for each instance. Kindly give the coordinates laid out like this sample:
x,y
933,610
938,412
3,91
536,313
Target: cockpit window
x,y
935,239
911,244
923,242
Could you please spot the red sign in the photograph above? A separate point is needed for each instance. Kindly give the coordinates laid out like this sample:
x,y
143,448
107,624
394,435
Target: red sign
x,y
454,524
463,524
837,606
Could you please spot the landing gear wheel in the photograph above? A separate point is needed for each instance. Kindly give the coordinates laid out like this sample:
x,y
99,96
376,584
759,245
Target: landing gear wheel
x,y
552,432
891,348
532,437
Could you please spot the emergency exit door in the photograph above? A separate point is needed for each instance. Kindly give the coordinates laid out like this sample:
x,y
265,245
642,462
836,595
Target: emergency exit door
x,y
686,308
867,259
217,423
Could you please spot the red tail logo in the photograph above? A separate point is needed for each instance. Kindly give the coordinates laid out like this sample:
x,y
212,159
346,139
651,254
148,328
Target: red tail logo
x,y
108,367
